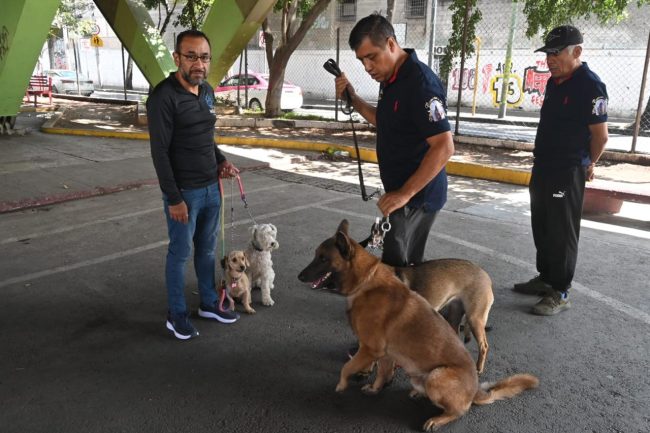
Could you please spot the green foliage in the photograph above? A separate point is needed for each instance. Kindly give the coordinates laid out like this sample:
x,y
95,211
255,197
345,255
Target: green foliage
x,y
303,7
543,15
193,14
69,16
295,116
455,44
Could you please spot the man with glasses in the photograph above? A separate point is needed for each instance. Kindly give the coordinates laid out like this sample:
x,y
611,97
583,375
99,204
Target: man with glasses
x,y
571,137
181,116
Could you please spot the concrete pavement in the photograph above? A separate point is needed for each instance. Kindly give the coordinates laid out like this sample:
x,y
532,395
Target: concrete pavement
x,y
85,349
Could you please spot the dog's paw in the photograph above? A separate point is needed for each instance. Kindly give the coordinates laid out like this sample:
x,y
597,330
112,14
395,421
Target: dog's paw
x,y
430,425
369,390
268,302
341,386
249,310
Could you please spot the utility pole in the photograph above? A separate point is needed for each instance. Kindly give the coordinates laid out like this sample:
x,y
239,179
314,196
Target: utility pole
x,y
432,33
507,65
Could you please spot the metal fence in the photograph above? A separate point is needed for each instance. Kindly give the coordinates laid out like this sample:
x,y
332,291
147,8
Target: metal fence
x,y
616,52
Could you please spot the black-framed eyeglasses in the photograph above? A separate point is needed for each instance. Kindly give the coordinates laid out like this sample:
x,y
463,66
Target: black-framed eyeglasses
x,y
205,58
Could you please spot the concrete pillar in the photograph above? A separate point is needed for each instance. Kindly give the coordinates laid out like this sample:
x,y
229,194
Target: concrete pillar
x,y
135,29
230,24
24,25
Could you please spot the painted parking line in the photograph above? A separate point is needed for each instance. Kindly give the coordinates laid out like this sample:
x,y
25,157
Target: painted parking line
x,y
615,304
143,248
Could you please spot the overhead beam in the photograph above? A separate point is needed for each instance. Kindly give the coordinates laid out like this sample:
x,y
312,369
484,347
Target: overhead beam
x,y
134,27
230,24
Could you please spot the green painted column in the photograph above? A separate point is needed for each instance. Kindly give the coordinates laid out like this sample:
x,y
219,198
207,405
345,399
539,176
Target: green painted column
x,y
230,24
133,25
24,25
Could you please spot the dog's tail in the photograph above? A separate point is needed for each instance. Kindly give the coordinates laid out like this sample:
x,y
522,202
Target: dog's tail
x,y
505,388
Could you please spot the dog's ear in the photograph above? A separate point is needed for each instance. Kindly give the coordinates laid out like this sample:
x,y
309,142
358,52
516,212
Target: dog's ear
x,y
343,227
344,245
246,262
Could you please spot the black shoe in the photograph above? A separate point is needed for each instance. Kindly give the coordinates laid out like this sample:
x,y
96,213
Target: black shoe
x,y
181,327
215,313
552,304
535,287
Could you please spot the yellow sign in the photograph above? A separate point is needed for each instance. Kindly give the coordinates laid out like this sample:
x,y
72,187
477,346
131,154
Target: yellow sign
x,y
96,41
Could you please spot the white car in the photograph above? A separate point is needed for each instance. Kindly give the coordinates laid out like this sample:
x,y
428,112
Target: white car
x,y
65,81
257,85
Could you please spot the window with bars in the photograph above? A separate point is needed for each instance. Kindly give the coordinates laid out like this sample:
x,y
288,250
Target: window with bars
x,y
348,10
416,8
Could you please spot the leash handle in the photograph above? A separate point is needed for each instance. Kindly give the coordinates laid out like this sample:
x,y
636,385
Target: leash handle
x,y
333,68
241,190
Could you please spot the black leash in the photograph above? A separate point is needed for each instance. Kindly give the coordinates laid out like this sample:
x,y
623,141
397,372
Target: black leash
x,y
331,67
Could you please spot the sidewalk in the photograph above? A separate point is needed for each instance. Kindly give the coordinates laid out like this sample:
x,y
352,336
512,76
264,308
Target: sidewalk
x,y
40,169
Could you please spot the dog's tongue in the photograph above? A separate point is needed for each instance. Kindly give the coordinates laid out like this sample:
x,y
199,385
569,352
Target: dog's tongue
x,y
319,281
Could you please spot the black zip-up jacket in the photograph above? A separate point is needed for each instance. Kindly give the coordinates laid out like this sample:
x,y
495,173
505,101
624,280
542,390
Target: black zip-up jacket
x,y
181,131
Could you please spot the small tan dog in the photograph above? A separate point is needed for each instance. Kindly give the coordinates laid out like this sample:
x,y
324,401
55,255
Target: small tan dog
x,y
237,282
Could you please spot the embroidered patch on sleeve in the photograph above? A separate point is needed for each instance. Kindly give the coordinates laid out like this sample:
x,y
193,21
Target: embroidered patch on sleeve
x,y
599,106
436,109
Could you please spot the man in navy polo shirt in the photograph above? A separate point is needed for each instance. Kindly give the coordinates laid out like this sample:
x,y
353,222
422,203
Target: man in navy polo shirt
x,y
414,141
571,137
180,111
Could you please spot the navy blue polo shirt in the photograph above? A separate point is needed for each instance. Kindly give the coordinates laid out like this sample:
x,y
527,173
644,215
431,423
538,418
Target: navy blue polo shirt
x,y
412,107
181,130
569,108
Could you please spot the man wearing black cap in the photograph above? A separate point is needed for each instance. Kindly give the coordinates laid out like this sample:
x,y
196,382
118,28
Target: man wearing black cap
x,y
571,136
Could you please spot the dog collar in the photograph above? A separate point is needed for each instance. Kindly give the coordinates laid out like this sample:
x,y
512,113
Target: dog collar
x,y
256,247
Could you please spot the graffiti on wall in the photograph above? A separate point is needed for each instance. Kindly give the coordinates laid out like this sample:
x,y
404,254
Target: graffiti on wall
x,y
535,78
4,42
529,87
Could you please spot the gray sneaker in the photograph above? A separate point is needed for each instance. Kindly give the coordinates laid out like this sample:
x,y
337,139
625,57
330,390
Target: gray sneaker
x,y
535,287
552,304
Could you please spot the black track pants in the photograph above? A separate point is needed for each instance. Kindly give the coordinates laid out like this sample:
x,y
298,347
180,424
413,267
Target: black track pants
x,y
405,241
556,209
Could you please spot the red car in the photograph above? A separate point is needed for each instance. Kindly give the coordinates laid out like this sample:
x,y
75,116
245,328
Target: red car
x,y
258,86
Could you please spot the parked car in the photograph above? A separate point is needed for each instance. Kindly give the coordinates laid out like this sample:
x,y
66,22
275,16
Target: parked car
x,y
65,81
258,85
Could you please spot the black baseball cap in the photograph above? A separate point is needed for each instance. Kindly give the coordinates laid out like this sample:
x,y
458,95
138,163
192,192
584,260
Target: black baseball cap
x,y
559,38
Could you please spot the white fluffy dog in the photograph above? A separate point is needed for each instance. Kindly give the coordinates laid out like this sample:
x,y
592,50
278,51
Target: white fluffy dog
x,y
260,272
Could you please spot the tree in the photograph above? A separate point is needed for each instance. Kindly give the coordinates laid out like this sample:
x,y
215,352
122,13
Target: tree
x,y
297,17
69,16
541,16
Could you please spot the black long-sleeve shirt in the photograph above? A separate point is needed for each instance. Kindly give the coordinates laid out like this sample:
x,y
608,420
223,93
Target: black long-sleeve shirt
x,y
181,131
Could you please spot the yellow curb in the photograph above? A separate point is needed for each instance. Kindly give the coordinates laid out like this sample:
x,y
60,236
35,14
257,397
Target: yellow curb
x,y
480,171
96,133
466,169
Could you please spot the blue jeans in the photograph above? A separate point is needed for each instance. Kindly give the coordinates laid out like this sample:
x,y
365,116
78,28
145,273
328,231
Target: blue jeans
x,y
201,230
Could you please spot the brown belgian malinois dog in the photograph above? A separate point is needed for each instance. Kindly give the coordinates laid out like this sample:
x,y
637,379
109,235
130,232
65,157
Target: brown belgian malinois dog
x,y
396,325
